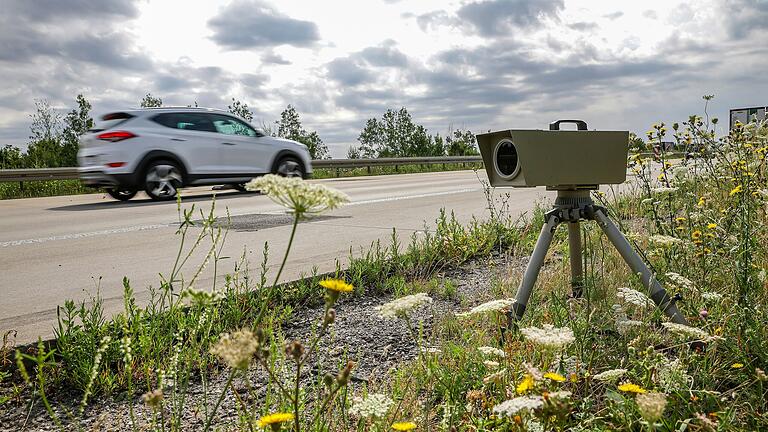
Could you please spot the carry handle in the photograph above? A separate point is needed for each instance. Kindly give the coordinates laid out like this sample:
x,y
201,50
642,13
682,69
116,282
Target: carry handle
x,y
580,124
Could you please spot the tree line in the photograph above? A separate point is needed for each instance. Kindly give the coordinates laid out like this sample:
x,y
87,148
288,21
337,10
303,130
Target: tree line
x,y
53,139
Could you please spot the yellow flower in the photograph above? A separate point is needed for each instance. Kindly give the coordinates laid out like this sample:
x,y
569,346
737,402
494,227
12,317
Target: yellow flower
x,y
696,235
631,388
735,190
711,225
403,426
701,202
554,376
525,385
737,366
680,219
336,285
274,419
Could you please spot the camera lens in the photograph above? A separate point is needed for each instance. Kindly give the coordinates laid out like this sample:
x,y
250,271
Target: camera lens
x,y
507,164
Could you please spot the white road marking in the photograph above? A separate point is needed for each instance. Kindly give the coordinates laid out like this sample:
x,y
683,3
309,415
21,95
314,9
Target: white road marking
x,y
165,225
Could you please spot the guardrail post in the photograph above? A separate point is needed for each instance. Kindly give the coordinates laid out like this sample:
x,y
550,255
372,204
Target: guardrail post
x,y
397,168
21,186
369,169
338,172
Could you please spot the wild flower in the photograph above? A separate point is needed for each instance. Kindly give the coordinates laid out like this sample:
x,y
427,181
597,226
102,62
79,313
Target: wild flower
x,y
399,308
706,422
523,403
103,345
562,394
491,351
273,420
679,280
525,385
201,298
374,405
554,376
430,350
664,190
336,285
153,398
737,366
671,376
651,405
125,349
298,196
735,190
624,326
495,377
491,306
631,388
610,375
684,330
549,336
711,296
403,426
236,349
634,297
664,240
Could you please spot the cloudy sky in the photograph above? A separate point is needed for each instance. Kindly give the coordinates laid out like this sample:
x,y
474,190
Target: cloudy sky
x,y
479,65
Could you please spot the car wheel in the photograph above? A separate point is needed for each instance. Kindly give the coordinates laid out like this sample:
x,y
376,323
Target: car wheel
x,y
122,194
162,180
289,166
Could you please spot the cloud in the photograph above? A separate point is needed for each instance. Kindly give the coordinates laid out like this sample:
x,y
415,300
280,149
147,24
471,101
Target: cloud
x,y
742,17
650,14
252,24
614,15
365,66
56,10
583,26
499,17
273,58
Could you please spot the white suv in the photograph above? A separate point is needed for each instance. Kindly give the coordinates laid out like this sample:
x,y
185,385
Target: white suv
x,y
162,149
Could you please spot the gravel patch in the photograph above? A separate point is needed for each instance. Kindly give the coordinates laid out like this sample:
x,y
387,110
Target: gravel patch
x,y
377,345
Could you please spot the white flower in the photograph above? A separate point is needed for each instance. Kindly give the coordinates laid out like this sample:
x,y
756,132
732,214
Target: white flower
x,y
549,336
634,297
236,349
664,240
374,405
562,394
651,405
513,406
663,190
297,195
490,364
491,351
430,350
491,306
711,296
684,330
624,326
399,308
679,280
672,376
495,377
610,375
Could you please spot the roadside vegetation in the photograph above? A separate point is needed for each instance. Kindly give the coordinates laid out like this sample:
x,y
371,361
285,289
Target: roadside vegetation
x,y
608,361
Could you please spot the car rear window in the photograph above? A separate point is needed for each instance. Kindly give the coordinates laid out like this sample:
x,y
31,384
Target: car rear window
x,y
186,121
111,120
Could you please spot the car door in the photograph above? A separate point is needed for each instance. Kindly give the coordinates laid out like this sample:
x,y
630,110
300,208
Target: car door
x,y
193,138
243,149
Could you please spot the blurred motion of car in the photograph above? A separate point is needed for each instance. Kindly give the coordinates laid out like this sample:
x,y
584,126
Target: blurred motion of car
x,y
161,150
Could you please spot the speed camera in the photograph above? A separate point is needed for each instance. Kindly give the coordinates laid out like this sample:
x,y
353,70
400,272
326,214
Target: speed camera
x,y
558,159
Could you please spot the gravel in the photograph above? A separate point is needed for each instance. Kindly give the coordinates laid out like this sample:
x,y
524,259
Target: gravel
x,y
377,345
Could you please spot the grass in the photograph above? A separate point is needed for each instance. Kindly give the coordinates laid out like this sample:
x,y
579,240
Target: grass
x,y
609,361
15,190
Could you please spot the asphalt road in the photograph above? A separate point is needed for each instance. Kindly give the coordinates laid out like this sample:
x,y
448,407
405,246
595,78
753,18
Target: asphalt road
x,y
58,248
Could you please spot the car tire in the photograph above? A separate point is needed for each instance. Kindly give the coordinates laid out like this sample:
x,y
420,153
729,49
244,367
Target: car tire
x,y
162,180
122,194
289,166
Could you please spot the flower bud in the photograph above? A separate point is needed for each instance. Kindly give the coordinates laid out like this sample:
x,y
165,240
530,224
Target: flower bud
x,y
703,313
343,377
294,350
328,380
330,316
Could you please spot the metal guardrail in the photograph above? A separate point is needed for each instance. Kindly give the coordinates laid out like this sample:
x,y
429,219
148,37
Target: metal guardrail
x,y
70,173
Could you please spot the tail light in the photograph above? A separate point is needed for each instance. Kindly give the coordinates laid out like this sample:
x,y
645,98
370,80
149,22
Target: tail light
x,y
115,136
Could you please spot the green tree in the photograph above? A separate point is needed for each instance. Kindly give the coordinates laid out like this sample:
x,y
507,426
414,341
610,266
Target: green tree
x,y
76,123
354,152
636,144
289,126
44,148
241,110
396,135
461,143
150,101
11,157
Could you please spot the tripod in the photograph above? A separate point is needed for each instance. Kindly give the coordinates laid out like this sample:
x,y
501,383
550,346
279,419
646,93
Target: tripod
x,y
571,207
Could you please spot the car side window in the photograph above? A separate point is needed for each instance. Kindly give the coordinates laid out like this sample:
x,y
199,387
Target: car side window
x,y
185,121
231,126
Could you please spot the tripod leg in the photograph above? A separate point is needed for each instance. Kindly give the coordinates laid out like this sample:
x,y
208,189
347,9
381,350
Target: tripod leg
x,y
533,268
657,293
574,246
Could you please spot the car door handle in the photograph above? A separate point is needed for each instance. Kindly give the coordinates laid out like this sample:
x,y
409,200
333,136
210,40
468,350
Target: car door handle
x,y
228,143
178,139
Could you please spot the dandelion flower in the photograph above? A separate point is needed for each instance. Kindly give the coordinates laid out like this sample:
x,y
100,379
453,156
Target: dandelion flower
x,y
711,225
400,307
236,349
513,406
525,385
549,336
696,235
737,366
554,376
651,405
491,351
684,330
374,405
491,306
403,426
610,375
336,285
274,419
632,388
298,196
735,190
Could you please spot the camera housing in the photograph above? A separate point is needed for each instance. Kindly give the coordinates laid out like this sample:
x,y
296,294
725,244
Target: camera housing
x,y
558,159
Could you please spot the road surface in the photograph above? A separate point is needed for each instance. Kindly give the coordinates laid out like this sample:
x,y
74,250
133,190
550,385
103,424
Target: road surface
x,y
58,248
